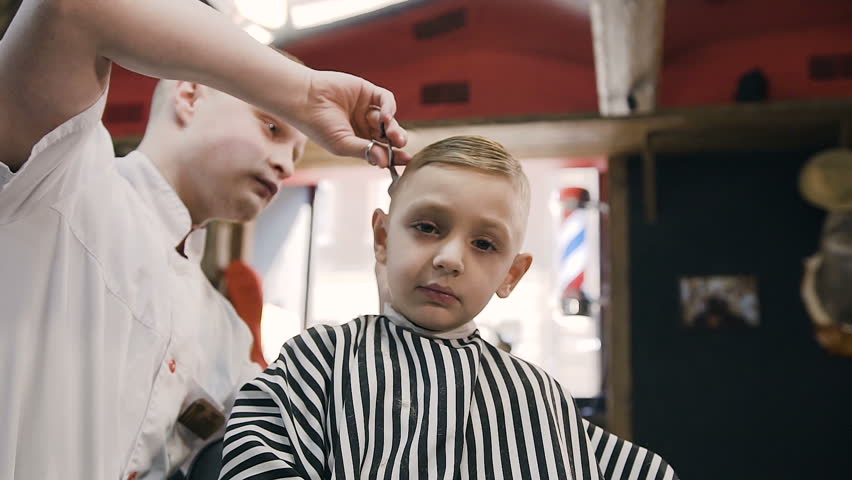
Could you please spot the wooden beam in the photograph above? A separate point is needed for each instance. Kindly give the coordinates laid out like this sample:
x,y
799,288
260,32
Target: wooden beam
x,y
649,184
628,42
736,127
619,387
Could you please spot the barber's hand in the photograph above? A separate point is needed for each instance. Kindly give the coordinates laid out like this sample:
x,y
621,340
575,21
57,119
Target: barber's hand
x,y
340,114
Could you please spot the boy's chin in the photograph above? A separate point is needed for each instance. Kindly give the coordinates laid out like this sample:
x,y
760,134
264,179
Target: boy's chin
x,y
435,318
244,211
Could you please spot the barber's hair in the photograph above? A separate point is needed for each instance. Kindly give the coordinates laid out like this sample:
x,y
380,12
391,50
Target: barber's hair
x,y
478,153
162,93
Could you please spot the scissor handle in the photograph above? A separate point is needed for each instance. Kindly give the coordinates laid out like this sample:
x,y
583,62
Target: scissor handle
x,y
391,165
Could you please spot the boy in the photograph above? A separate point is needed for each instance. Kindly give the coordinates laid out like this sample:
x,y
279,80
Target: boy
x,y
416,392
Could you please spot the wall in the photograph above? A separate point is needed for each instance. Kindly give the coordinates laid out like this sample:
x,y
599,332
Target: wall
x,y
760,403
708,74
280,254
518,58
709,44
129,103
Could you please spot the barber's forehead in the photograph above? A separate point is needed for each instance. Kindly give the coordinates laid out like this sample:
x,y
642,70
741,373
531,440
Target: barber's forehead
x,y
260,111
232,99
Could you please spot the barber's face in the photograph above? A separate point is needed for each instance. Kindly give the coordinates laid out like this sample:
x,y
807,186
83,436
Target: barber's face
x,y
242,156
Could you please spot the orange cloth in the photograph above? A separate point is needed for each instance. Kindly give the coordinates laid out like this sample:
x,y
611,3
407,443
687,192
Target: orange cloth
x,y
245,291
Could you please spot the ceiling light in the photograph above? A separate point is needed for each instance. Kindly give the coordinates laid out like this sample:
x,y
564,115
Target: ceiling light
x,y
259,33
307,15
271,14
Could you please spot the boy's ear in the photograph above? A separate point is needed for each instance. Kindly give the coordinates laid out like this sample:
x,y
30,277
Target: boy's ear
x,y
185,96
380,235
519,267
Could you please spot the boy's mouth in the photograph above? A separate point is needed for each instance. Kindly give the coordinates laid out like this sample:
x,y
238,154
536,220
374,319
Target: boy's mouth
x,y
439,293
271,188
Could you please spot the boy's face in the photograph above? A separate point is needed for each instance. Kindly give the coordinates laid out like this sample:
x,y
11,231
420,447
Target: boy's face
x,y
240,157
450,243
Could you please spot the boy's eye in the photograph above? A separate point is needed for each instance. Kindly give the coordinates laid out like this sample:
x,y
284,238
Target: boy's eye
x,y
272,127
426,228
484,245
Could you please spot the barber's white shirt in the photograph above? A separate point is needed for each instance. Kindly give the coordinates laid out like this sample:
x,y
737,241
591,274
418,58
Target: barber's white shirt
x,y
106,332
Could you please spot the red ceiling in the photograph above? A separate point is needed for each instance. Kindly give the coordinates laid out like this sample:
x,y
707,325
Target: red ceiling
x,y
708,44
534,57
693,24
519,58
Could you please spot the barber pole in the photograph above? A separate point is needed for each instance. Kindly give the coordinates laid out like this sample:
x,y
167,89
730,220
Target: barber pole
x,y
573,248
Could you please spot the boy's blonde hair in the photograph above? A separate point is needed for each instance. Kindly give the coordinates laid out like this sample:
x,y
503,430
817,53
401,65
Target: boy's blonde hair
x,y
478,153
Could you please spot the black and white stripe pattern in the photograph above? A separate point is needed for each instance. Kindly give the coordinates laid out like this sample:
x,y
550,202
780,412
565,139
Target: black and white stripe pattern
x,y
370,399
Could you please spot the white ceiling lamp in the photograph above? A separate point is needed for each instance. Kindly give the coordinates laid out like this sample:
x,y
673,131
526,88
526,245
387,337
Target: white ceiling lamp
x,y
259,33
322,12
270,14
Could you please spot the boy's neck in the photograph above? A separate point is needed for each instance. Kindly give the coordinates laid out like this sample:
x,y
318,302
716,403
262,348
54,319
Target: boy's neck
x,y
462,331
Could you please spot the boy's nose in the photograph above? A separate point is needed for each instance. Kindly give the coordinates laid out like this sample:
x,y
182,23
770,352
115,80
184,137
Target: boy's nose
x,y
449,257
282,163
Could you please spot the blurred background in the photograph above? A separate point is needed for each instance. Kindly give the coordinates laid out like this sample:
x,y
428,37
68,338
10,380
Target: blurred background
x,y
664,141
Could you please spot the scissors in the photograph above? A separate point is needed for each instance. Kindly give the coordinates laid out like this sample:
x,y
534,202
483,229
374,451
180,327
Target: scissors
x,y
391,165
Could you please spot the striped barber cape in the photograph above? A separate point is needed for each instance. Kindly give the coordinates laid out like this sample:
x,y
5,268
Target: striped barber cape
x,y
374,398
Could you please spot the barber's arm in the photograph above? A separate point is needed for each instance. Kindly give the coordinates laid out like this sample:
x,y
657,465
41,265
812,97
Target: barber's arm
x,y
55,59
